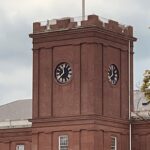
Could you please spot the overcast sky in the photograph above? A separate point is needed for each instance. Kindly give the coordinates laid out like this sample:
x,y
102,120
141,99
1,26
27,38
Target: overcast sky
x,y
17,16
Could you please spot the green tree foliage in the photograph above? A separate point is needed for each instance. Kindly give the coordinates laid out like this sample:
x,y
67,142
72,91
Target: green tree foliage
x,y
145,88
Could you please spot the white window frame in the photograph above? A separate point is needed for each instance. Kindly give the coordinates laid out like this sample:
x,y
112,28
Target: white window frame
x,y
113,147
67,143
20,147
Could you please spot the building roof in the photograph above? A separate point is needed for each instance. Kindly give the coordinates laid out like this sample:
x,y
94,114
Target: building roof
x,y
141,107
140,102
16,114
20,109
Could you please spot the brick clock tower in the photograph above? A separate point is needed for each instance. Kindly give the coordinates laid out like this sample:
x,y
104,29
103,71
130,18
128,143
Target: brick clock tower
x,y
80,85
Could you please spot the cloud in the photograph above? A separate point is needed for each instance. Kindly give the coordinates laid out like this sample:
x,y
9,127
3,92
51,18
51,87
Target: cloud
x,y
16,23
15,85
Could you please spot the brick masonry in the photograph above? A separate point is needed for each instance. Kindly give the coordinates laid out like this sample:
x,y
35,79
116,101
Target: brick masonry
x,y
88,109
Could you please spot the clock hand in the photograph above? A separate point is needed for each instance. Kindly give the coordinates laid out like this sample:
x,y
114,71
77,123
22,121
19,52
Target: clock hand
x,y
63,70
62,73
111,74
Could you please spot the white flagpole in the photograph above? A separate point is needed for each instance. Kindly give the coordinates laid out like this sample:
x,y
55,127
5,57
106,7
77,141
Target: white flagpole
x,y
83,9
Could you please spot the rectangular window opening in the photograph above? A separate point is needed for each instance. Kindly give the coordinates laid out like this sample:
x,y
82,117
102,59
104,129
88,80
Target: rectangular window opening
x,y
63,142
113,143
20,147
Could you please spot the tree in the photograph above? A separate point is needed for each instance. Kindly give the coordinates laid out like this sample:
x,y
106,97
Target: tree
x,y
145,88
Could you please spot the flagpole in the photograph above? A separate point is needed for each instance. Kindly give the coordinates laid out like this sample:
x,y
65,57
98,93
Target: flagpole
x,y
83,9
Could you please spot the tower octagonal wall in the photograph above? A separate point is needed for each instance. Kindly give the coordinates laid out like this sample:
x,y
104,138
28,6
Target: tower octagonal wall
x,y
81,84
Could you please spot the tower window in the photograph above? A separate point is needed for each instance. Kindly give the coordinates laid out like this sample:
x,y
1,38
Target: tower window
x,y
63,142
20,147
113,143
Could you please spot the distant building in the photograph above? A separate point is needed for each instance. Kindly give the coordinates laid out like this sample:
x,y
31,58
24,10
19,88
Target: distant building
x,y
16,114
141,107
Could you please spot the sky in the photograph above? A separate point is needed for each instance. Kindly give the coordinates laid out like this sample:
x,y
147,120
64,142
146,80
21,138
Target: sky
x,y
17,16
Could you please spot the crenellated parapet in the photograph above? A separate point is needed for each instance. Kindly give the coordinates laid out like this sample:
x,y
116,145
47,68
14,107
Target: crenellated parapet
x,y
92,20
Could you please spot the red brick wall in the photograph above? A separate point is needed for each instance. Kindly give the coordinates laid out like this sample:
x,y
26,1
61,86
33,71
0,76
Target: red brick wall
x,y
112,94
66,98
89,91
10,138
91,79
141,135
90,139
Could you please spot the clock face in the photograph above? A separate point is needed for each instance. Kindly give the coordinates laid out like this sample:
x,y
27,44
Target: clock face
x,y
63,72
113,74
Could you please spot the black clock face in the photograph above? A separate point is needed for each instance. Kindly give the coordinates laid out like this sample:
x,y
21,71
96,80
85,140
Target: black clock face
x,y
113,74
63,72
